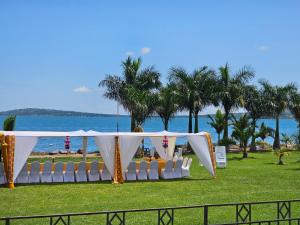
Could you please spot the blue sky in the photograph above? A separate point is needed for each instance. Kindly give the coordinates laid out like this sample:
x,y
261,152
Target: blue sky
x,y
54,53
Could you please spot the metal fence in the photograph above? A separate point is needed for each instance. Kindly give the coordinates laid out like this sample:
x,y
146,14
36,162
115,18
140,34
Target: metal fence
x,y
285,211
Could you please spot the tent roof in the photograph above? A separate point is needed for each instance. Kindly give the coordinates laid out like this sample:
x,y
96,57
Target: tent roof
x,y
91,133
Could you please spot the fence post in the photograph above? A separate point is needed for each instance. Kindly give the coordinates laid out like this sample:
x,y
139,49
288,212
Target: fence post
x,y
205,222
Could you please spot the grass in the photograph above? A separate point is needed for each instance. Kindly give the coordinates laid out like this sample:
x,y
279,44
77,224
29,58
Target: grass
x,y
257,178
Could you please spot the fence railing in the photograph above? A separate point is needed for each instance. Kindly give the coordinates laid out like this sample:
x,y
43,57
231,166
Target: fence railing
x,y
286,211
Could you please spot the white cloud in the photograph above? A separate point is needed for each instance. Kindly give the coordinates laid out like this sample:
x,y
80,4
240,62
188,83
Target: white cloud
x,y
263,48
82,89
130,53
145,50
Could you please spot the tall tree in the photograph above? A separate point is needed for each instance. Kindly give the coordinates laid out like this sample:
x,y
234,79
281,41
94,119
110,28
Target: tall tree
x,y
254,104
167,104
276,99
186,87
230,90
218,123
133,77
205,94
294,106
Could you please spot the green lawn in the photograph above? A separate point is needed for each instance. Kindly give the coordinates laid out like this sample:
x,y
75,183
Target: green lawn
x,y
257,178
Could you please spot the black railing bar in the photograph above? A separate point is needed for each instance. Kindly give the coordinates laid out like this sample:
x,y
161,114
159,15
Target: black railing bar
x,y
145,210
260,221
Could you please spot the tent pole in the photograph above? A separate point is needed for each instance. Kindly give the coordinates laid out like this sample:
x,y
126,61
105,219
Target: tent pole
x,y
211,152
118,175
9,148
84,148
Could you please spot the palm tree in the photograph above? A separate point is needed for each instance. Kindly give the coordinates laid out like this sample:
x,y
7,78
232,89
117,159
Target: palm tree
x,y
286,139
195,89
133,76
294,106
167,104
230,90
276,99
8,125
186,87
253,103
264,132
205,93
218,123
242,131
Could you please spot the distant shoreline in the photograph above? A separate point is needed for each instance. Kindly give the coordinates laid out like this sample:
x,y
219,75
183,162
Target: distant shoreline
x,y
55,112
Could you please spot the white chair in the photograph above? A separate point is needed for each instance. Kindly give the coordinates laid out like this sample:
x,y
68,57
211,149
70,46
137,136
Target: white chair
x,y
153,171
175,158
167,172
179,151
80,174
46,176
23,175
180,158
104,174
34,175
177,172
2,174
131,171
93,173
185,160
58,175
142,172
186,169
220,155
69,173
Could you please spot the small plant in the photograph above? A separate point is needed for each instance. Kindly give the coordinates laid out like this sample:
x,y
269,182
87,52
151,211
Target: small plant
x,y
218,123
280,153
8,125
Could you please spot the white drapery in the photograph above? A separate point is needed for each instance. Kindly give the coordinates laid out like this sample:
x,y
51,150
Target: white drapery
x,y
128,147
106,145
165,153
200,146
23,148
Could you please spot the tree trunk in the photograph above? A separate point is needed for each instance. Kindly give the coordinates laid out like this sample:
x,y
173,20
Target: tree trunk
x,y
280,162
190,128
276,144
132,125
219,138
253,146
166,123
225,134
245,153
196,125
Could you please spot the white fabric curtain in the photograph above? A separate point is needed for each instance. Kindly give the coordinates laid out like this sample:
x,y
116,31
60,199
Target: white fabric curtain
x,y
128,147
200,146
23,148
164,153
106,145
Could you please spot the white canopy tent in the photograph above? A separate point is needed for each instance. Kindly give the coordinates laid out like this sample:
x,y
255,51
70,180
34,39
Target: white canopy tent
x,y
25,142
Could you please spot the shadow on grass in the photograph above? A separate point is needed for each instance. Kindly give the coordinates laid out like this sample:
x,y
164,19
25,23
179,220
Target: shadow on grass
x,y
240,158
110,182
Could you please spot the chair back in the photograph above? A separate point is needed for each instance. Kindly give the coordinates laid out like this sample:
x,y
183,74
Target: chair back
x,y
178,164
175,158
169,166
94,166
188,165
70,167
1,169
180,158
35,167
82,167
59,166
154,165
47,167
143,165
132,167
185,160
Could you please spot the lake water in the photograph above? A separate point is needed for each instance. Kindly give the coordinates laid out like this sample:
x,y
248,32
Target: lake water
x,y
108,123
